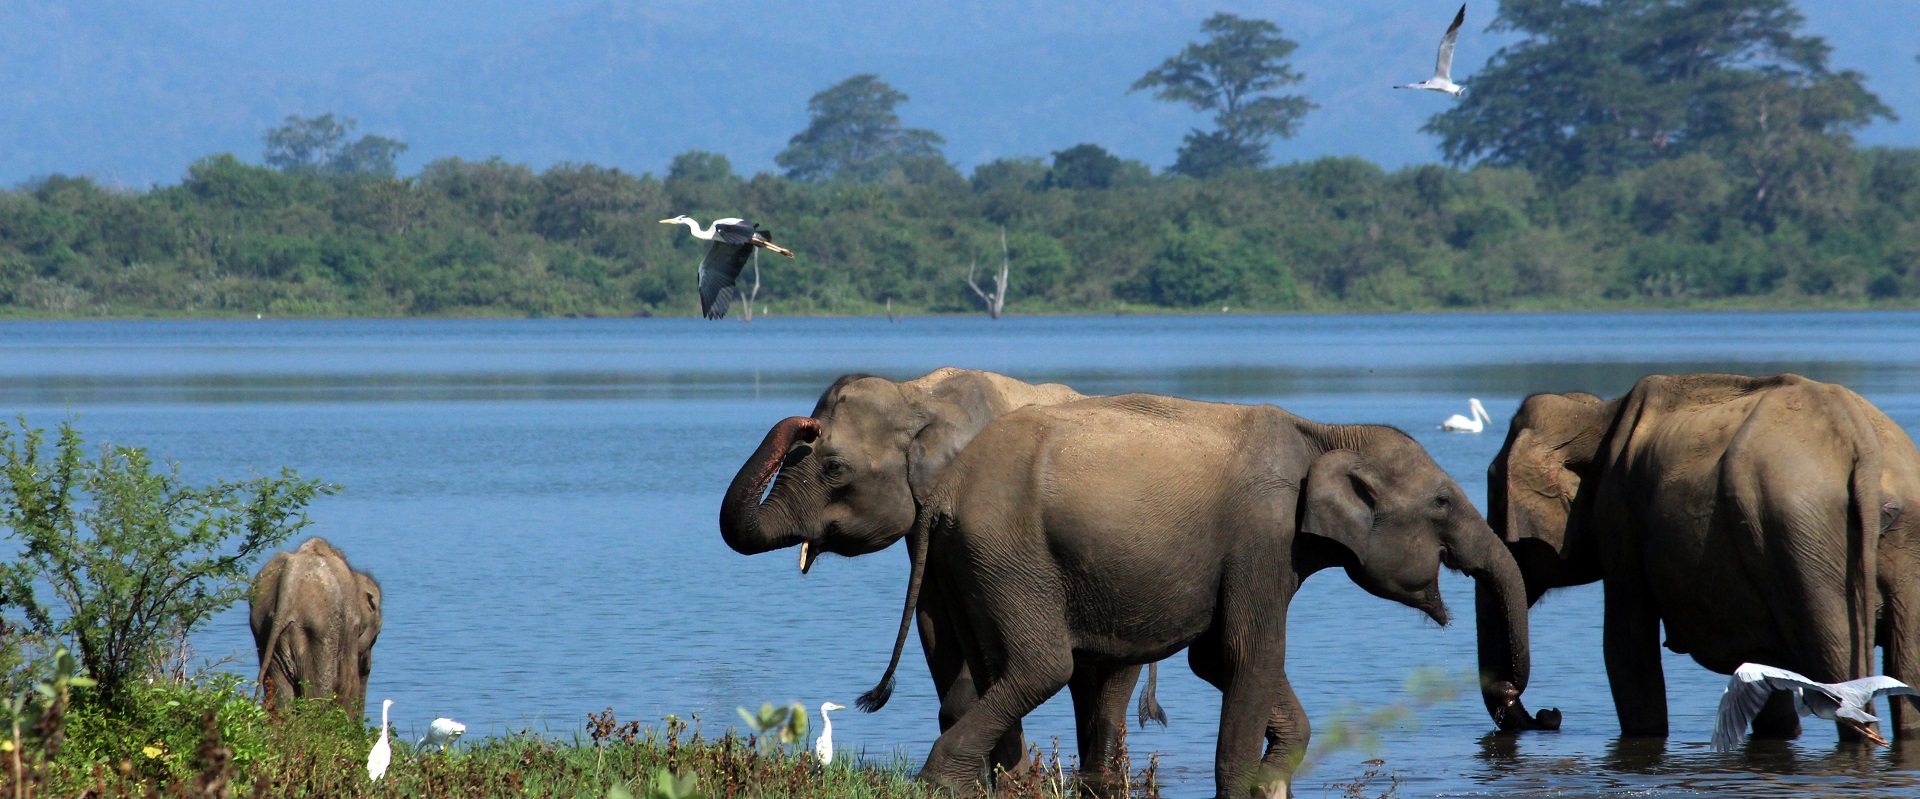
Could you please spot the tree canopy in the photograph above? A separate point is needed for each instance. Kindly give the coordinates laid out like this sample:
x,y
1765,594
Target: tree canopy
x,y
1597,87
855,135
319,145
1231,74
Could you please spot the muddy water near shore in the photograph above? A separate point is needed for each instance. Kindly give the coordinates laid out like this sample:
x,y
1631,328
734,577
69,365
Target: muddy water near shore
x,y
538,499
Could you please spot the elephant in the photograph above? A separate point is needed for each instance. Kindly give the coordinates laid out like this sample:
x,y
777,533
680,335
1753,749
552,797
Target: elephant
x,y
851,481
314,623
1083,539
1758,519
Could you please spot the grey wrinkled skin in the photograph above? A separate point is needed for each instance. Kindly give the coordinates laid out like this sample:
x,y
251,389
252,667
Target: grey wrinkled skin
x,y
1750,519
315,621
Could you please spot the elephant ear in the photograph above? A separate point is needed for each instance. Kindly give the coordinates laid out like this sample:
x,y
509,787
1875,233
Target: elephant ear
x,y
933,448
1548,452
1339,501
369,594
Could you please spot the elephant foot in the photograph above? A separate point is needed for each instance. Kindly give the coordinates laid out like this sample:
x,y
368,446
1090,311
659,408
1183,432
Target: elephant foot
x,y
1503,701
952,786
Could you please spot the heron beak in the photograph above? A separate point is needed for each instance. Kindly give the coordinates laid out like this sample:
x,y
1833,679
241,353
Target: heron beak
x,y
807,556
668,221
1865,731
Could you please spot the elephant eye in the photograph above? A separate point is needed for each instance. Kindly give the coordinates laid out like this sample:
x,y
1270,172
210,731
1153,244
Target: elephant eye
x,y
835,469
1443,502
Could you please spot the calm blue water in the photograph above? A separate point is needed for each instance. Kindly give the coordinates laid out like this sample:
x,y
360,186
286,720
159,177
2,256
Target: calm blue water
x,y
538,499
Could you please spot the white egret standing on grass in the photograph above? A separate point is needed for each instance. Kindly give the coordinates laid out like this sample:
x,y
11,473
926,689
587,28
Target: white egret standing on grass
x,y
442,733
1442,80
382,753
734,241
823,748
1845,702
1461,424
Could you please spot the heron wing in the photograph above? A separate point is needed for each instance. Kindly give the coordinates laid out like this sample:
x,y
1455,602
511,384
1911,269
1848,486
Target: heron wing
x,y
1443,66
1746,696
733,232
717,273
1855,695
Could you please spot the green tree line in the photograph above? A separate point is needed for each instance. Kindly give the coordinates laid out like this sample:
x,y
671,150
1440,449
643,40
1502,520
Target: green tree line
x,y
1623,153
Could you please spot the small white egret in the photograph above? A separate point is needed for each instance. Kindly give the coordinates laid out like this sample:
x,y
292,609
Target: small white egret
x,y
1844,702
382,753
1462,424
733,242
442,733
1442,80
823,748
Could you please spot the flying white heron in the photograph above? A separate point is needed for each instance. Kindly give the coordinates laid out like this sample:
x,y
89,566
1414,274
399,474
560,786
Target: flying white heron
x,y
823,748
442,733
382,753
1844,702
1462,424
1442,80
733,243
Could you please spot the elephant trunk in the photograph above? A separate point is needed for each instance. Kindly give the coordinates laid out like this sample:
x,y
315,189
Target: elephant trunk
x,y
1500,614
740,518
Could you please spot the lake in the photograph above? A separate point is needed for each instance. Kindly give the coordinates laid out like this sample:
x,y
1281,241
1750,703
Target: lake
x,y
538,500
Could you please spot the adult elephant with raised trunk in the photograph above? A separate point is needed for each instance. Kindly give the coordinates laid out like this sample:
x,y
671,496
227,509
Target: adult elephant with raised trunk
x,y
1756,519
1080,540
851,480
314,622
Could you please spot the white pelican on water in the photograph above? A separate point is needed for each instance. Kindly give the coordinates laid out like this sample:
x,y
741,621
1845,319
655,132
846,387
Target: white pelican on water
x,y
1461,424
382,753
442,733
1844,702
1442,80
823,748
733,243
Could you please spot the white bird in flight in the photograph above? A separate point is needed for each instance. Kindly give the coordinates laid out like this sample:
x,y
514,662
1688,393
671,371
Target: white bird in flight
x,y
823,748
1442,80
1844,702
382,753
442,733
1461,424
734,241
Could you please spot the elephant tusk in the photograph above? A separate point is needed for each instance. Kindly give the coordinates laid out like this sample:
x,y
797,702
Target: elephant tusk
x,y
806,556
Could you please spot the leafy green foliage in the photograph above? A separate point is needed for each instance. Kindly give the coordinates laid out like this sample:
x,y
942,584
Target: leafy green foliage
x,y
121,559
1230,75
854,135
784,726
318,145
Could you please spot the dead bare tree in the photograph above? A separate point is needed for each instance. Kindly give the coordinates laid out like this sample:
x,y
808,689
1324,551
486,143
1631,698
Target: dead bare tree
x,y
891,317
746,308
998,299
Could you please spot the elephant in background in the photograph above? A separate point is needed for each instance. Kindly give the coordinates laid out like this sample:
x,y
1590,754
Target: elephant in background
x,y
1080,540
852,478
1757,519
314,623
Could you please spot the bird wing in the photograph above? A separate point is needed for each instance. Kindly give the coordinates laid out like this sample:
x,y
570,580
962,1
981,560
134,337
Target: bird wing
x,y
1443,66
733,231
717,273
1746,696
1855,695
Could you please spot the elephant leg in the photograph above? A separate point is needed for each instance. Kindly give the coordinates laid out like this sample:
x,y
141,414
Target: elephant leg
x,y
1100,695
1288,732
1777,720
1900,647
953,679
1031,675
1812,606
1631,641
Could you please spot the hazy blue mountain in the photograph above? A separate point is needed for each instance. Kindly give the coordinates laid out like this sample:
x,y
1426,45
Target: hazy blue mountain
x,y
135,93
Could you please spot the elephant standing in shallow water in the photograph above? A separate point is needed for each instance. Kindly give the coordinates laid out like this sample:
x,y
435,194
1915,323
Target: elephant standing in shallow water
x,y
1080,540
1755,519
851,480
314,623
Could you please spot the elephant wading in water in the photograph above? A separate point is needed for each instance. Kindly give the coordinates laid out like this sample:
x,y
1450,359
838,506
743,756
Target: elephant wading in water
x,y
851,480
1757,519
314,622
1081,540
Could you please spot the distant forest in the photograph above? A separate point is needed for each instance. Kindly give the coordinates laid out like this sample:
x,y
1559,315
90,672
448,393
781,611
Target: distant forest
x,y
1621,154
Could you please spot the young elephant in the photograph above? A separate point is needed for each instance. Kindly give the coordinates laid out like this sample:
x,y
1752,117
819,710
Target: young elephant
x,y
314,622
1756,519
1086,538
852,479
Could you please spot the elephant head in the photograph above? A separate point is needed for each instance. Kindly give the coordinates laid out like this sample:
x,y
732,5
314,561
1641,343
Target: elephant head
x,y
852,475
1392,517
1539,493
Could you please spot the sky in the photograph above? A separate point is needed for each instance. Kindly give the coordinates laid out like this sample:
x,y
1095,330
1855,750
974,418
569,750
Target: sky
x,y
134,91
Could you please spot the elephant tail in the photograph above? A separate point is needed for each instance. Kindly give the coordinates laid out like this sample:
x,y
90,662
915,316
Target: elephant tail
x,y
267,653
877,698
1150,709
1863,562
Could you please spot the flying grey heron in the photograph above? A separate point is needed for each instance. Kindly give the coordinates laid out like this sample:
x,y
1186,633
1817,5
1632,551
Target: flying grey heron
x,y
734,241
1844,702
1442,80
